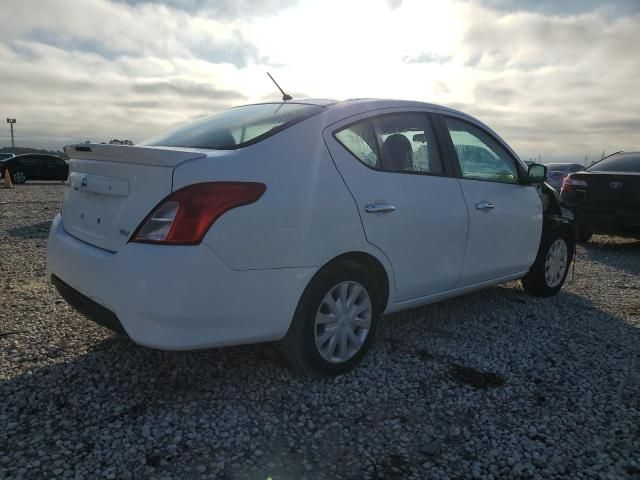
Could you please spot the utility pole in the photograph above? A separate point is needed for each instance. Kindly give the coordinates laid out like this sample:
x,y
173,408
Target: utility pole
x,y
11,121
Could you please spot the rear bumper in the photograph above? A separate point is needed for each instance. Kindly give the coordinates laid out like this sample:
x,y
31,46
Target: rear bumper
x,y
606,220
87,307
173,297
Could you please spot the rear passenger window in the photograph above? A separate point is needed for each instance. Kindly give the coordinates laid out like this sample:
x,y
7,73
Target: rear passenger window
x,y
407,143
395,143
361,142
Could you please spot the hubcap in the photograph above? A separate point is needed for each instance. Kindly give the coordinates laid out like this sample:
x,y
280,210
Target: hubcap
x,y
556,263
342,322
19,177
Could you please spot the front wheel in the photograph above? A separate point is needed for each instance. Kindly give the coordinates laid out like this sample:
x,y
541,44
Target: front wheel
x,y
548,273
334,323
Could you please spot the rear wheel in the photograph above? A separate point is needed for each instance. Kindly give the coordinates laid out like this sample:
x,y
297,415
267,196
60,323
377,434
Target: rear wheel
x,y
335,321
19,177
548,273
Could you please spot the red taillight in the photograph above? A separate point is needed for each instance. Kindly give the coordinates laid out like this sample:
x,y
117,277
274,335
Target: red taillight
x,y
184,217
573,184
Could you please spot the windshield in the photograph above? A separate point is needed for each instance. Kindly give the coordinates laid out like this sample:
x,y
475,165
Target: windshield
x,y
237,127
620,162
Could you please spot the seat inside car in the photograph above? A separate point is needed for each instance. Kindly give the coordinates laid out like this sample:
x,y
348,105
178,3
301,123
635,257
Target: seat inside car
x,y
397,153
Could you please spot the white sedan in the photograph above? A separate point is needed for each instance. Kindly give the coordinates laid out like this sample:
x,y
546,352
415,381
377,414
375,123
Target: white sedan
x,y
300,222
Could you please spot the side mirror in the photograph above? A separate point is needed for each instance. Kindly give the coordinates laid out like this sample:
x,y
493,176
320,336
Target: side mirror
x,y
537,173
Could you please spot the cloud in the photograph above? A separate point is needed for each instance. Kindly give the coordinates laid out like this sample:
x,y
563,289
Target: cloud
x,y
112,30
65,97
567,7
183,88
553,78
556,85
222,9
101,69
427,58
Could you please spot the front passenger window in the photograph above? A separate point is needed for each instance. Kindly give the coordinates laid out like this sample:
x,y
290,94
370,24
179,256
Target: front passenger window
x,y
480,156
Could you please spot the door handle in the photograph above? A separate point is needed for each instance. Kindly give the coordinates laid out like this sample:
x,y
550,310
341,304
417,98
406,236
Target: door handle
x,y
484,205
378,208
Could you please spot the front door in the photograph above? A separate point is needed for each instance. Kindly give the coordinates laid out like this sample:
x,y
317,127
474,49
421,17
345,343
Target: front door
x,y
505,214
410,207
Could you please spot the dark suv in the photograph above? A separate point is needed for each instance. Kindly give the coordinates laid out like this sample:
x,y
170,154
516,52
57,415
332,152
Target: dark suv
x,y
33,166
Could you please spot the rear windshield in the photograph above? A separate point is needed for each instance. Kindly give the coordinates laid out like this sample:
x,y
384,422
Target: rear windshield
x,y
236,128
620,162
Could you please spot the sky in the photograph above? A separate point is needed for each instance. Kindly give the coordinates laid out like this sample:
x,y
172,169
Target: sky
x,y
558,80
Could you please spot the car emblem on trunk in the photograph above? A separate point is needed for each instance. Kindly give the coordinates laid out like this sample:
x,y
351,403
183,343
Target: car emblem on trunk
x,y
615,185
84,181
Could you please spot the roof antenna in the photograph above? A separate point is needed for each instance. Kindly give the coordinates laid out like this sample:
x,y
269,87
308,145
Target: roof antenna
x,y
285,96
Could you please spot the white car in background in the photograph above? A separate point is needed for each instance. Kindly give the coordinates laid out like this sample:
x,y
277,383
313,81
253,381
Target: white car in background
x,y
300,222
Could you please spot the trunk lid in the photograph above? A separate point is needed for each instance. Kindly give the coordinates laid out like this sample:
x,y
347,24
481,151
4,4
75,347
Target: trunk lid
x,y
112,188
620,189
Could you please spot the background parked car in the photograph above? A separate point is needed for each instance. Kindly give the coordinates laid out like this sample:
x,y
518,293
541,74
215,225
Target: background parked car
x,y
605,198
556,173
33,166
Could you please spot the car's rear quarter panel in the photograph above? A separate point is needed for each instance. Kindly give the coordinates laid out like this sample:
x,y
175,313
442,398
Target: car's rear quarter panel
x,y
306,216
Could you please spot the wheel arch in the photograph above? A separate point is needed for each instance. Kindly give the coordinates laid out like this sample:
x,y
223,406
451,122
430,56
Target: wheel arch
x,y
378,268
554,224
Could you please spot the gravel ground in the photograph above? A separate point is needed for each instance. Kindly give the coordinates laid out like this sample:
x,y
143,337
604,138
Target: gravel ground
x,y
496,384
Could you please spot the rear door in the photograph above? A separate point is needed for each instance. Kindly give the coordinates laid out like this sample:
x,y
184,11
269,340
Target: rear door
x,y
505,215
411,207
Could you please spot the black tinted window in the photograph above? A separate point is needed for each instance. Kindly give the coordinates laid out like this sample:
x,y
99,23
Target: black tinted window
x,y
31,161
620,162
237,127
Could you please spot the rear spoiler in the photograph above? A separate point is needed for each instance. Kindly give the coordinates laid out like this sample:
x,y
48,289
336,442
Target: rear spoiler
x,y
159,156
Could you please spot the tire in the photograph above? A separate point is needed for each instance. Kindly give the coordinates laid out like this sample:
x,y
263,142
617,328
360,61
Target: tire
x,y
583,236
19,177
300,345
537,282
